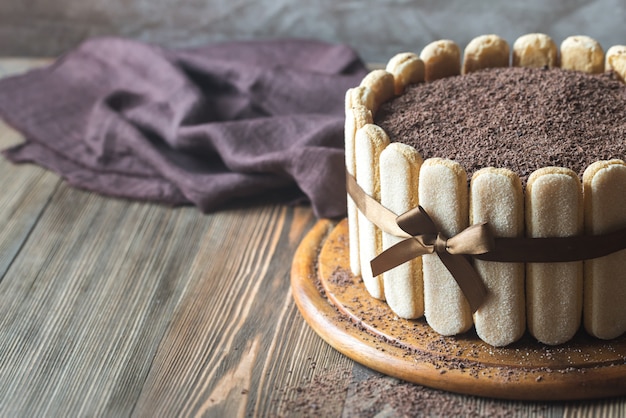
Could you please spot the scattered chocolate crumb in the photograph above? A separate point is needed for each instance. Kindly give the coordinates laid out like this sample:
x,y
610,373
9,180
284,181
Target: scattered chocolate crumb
x,y
322,395
343,392
342,277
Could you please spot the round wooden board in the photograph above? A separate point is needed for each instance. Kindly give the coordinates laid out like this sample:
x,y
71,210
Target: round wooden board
x,y
336,305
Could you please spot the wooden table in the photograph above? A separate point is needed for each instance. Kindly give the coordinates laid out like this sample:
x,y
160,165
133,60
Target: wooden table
x,y
116,308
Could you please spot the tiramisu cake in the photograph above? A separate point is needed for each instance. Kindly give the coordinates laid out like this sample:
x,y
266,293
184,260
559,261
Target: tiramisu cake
x,y
492,148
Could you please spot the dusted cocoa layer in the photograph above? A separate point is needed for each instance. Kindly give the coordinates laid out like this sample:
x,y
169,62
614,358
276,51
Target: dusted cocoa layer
x,y
517,118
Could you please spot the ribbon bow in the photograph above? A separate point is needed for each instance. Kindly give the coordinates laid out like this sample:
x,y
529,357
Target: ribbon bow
x,y
423,237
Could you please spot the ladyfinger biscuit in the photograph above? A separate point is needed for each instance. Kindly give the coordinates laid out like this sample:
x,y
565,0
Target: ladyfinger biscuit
x,y
382,86
535,50
370,140
604,307
360,96
406,68
441,59
442,192
399,174
485,51
357,115
616,61
582,53
554,290
496,197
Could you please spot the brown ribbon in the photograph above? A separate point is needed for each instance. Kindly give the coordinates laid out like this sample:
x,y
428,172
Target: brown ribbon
x,y
422,237
555,249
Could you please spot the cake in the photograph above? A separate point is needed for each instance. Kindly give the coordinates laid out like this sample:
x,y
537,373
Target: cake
x,y
397,166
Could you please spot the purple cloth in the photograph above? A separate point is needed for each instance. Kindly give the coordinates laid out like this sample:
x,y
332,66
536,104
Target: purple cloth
x,y
197,126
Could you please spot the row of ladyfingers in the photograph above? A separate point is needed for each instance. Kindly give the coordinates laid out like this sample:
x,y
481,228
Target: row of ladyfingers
x,y
547,298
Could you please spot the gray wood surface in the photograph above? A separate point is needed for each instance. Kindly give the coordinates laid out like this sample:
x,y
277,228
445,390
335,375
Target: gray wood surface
x,y
115,308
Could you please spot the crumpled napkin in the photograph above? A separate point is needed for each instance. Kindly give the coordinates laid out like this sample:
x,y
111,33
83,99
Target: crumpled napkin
x,y
202,126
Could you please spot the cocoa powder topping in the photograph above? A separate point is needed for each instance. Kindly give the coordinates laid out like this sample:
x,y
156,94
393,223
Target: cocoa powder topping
x,y
517,118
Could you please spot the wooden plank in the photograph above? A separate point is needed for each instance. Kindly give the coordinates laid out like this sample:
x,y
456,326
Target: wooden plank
x,y
300,360
301,367
25,192
86,302
224,347
25,189
602,408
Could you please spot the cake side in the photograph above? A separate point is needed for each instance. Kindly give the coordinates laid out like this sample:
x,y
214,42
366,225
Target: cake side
x,y
531,56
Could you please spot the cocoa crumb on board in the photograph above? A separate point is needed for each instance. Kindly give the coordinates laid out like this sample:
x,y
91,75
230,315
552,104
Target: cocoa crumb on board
x,y
342,277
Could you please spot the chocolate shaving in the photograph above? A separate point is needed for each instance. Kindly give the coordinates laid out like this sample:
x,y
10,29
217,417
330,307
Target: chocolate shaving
x,y
517,118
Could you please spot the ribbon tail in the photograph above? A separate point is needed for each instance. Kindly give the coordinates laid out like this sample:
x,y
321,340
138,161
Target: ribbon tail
x,y
397,254
374,212
466,277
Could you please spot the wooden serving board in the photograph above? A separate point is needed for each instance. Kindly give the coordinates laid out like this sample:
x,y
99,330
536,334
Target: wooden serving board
x,y
337,306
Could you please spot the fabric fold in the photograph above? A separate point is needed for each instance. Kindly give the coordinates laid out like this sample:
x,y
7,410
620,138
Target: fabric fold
x,y
198,126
